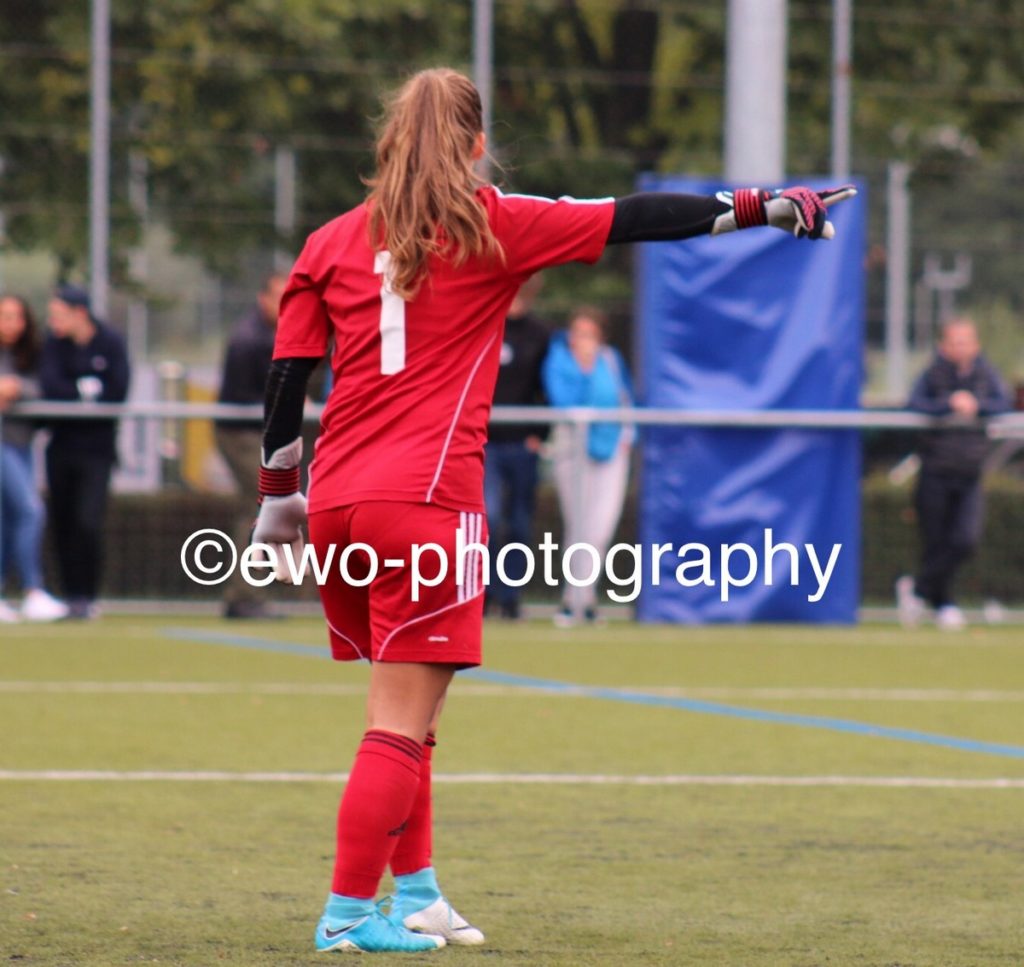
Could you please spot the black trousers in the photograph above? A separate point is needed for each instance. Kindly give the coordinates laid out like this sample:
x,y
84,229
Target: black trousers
x,y
950,514
79,484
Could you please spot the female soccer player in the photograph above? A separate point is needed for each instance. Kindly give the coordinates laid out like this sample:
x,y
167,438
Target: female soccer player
x,y
414,285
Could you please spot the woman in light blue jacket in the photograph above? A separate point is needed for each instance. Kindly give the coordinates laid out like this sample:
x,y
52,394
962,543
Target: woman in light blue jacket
x,y
591,470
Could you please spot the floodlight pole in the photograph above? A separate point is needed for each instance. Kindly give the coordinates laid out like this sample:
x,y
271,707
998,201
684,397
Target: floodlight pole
x,y
755,94
99,159
284,205
3,230
897,322
138,260
841,78
483,66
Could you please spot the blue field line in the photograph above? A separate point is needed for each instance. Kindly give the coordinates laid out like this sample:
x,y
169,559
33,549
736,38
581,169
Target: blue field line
x,y
751,714
204,636
210,637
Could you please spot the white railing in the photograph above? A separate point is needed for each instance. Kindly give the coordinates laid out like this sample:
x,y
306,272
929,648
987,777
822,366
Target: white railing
x,y
143,454
1006,426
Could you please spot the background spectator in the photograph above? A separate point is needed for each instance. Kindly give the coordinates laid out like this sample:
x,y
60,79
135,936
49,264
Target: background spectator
x,y
22,514
510,459
960,382
590,475
246,362
83,360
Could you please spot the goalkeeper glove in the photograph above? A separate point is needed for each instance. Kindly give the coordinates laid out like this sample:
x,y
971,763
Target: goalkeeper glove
x,y
802,211
282,507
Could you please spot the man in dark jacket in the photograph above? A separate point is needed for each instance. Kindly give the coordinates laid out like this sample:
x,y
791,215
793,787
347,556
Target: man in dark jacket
x,y
960,383
244,379
510,468
84,360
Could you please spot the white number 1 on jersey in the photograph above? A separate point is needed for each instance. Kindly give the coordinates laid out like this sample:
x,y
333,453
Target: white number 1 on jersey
x,y
392,319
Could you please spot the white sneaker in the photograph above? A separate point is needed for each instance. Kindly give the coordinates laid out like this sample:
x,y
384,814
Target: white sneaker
x,y
8,616
994,613
441,920
910,607
40,606
564,618
950,618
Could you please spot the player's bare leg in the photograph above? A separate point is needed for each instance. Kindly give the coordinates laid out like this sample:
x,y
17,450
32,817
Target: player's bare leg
x,y
419,903
407,697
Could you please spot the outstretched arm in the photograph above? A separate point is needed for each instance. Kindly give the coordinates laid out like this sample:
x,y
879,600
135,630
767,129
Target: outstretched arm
x,y
662,216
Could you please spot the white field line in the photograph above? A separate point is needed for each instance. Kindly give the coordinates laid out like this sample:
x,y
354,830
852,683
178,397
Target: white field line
x,y
513,778
177,688
726,692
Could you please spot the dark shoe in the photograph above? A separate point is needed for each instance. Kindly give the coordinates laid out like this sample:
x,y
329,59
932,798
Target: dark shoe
x,y
81,609
510,611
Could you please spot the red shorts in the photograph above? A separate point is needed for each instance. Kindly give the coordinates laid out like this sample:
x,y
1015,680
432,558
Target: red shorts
x,y
381,620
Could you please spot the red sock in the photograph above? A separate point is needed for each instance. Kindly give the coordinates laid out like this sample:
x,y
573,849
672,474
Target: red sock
x,y
374,809
414,849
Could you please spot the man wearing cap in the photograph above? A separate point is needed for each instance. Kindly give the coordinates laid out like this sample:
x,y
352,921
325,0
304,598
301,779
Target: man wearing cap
x,y
83,359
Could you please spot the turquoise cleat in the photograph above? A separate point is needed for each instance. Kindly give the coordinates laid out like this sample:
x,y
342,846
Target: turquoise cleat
x,y
360,926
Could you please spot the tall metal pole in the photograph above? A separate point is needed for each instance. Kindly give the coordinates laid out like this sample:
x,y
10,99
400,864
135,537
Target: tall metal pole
x,y
99,159
3,231
138,261
841,76
897,320
284,204
755,96
483,63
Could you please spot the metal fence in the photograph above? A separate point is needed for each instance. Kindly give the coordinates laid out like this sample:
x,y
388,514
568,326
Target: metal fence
x,y
228,146
147,524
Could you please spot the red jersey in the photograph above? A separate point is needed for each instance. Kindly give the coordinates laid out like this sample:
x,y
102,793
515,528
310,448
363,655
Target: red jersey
x,y
413,381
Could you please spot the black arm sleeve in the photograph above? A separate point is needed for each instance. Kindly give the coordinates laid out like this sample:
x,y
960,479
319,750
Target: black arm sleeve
x,y
284,400
662,217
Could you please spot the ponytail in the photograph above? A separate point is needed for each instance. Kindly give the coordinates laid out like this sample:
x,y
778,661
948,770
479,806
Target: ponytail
x,y
423,197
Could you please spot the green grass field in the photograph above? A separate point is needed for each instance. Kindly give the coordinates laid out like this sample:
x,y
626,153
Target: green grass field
x,y
764,797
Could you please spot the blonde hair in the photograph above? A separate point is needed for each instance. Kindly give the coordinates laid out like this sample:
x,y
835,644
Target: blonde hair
x,y
423,197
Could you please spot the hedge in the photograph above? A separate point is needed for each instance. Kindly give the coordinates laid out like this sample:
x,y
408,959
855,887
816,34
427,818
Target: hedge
x,y
146,532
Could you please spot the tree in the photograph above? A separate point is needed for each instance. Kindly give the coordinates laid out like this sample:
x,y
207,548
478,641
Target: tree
x,y
589,94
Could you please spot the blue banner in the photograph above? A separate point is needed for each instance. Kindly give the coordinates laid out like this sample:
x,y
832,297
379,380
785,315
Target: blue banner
x,y
763,525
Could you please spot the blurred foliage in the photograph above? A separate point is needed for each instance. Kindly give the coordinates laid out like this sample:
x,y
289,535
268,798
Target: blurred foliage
x,y
588,93
889,541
